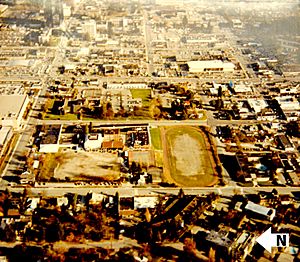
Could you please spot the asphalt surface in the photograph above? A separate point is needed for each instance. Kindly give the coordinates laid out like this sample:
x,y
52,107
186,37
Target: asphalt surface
x,y
60,190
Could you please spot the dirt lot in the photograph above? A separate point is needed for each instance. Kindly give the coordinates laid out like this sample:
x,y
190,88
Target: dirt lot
x,y
145,158
88,165
194,160
190,162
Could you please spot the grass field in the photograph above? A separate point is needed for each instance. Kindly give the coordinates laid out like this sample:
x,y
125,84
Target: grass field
x,y
50,163
156,138
190,161
142,93
61,117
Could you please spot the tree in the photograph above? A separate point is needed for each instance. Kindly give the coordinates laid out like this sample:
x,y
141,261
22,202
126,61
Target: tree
x,y
240,176
156,112
79,115
212,255
62,69
86,129
90,127
189,94
103,110
185,21
220,91
180,193
110,113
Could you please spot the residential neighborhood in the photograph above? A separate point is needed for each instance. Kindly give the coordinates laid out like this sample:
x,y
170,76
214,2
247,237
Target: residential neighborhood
x,y
149,130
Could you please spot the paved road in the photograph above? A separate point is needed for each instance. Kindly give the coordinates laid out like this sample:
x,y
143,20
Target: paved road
x,y
124,122
134,79
211,121
129,191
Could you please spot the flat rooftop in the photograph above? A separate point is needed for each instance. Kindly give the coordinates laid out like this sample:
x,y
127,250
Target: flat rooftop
x,y
11,105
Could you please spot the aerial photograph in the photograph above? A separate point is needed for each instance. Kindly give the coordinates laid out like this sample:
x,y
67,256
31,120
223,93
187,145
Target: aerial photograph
x,y
150,130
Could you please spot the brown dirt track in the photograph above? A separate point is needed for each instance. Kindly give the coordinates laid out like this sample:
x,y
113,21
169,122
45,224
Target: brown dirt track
x,y
187,159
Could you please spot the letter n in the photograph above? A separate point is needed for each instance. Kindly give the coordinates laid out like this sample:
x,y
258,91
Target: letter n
x,y
281,240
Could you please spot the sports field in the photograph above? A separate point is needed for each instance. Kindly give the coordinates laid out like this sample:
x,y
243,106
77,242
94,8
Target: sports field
x,y
190,162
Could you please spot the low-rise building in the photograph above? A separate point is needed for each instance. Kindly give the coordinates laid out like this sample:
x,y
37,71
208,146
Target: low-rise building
x,y
284,143
93,141
210,66
261,211
12,109
126,86
5,136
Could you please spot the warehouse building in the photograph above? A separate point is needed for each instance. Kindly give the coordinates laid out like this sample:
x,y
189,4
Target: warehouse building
x,y
210,66
12,109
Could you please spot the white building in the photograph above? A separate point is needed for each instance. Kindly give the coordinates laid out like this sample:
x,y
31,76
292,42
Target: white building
x,y
5,136
90,27
93,142
66,10
257,104
145,202
127,86
242,88
261,210
50,139
288,103
12,109
210,66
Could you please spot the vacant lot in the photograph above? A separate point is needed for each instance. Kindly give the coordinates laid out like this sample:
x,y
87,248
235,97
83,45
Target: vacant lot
x,y
88,166
190,161
145,158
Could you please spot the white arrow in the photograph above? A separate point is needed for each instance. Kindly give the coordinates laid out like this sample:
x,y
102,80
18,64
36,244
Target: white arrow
x,y
268,240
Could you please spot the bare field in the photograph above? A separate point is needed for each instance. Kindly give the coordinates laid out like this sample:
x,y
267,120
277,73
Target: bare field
x,y
88,165
190,161
145,158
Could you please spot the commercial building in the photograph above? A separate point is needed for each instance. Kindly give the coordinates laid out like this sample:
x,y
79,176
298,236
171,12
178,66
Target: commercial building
x,y
67,10
284,142
5,137
12,109
90,28
93,142
127,86
3,8
261,211
210,66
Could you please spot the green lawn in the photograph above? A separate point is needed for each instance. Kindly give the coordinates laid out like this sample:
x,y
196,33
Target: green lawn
x,y
142,93
61,117
155,138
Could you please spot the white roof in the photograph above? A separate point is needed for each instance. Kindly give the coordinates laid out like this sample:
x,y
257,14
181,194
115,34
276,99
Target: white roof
x,y
242,88
4,131
145,202
70,66
93,141
262,210
97,198
17,62
36,164
257,104
11,105
210,64
62,201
